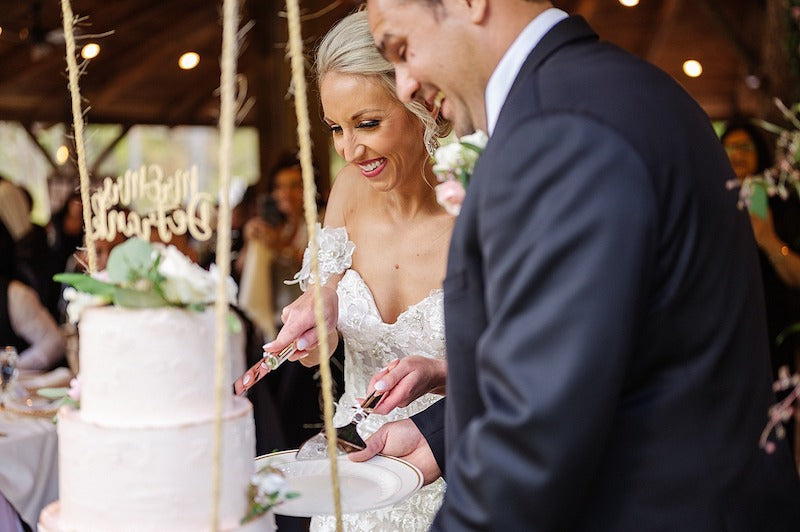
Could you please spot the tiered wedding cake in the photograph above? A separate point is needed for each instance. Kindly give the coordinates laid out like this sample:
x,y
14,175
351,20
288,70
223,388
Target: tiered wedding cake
x,y
138,454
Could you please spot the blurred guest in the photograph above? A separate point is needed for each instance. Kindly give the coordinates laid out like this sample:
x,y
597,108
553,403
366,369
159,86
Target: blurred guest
x,y
778,240
274,241
66,227
777,236
24,322
36,262
244,210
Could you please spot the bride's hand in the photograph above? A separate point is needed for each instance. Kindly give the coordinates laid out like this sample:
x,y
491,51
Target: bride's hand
x,y
299,323
406,379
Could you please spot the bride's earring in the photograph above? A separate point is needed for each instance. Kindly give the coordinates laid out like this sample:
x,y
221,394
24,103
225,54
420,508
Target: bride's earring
x,y
431,146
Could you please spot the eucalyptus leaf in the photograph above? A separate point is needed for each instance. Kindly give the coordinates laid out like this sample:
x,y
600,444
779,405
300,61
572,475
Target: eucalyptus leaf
x,y
130,260
52,393
788,331
126,297
85,283
234,324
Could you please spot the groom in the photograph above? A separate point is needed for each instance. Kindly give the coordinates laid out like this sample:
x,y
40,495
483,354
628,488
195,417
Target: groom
x,y
607,348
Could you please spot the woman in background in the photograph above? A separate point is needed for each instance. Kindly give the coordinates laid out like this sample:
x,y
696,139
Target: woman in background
x,y
778,240
24,322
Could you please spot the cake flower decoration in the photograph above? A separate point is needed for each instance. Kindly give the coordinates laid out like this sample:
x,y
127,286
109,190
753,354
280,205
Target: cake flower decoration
x,y
267,489
144,275
453,166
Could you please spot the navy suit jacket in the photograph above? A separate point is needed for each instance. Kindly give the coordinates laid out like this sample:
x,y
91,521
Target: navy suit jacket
x,y
608,363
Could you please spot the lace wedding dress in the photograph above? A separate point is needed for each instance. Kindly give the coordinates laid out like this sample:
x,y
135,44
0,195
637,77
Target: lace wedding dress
x,y
370,344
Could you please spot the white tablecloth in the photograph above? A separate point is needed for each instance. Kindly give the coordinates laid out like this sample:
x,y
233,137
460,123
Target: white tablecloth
x,y
28,464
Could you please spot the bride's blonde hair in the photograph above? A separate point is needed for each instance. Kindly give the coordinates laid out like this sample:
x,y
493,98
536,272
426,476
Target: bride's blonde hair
x,y
348,48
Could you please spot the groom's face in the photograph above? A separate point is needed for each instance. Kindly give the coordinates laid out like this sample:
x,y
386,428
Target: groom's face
x,y
425,42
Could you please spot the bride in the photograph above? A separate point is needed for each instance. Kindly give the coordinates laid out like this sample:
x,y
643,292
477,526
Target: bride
x,y
389,239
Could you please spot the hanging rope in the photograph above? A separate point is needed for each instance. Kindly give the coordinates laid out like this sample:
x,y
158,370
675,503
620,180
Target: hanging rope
x,y
77,121
227,115
310,205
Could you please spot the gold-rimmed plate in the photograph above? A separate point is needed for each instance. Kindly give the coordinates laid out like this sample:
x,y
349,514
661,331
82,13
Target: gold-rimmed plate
x,y
380,481
33,405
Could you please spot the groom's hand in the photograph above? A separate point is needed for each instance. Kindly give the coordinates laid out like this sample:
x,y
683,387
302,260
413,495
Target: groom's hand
x,y
401,439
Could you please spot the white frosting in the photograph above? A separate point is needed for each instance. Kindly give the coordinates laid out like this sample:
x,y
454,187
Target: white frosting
x,y
149,479
49,521
138,455
147,367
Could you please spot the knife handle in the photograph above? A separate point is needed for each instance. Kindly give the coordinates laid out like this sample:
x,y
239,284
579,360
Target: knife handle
x,y
262,367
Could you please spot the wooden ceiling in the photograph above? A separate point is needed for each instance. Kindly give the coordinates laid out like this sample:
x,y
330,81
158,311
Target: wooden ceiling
x,y
135,78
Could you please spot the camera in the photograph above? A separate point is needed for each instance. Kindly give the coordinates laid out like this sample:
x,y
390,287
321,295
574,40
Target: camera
x,y
269,212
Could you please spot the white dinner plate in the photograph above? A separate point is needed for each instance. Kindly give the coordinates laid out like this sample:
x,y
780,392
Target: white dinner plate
x,y
378,482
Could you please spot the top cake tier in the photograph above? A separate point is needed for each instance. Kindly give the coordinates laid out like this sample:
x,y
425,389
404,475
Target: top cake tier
x,y
148,367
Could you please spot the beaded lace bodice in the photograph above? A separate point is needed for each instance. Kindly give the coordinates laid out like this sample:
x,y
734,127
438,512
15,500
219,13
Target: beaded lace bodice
x,y
370,344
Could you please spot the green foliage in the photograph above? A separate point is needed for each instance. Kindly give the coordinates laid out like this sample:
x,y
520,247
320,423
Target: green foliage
x,y
133,276
84,283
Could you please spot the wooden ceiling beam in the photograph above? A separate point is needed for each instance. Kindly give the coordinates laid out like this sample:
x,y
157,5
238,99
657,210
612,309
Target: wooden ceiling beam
x,y
49,158
715,14
665,27
103,155
132,66
20,65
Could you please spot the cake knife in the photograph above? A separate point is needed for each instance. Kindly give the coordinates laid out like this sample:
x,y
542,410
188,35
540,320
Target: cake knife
x,y
347,438
257,371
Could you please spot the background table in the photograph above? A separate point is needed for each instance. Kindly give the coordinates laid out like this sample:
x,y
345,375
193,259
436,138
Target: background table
x,y
28,464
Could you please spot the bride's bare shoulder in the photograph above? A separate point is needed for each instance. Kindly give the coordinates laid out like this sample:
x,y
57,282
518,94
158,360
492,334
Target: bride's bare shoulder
x,y
348,194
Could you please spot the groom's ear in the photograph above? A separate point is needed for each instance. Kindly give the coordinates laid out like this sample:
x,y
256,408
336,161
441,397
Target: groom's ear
x,y
478,10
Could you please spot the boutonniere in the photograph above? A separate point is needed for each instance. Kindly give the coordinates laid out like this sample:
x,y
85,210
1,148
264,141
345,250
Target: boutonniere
x,y
453,166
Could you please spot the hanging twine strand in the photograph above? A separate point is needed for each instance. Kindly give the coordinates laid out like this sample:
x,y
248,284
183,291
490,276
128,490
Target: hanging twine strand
x,y
227,115
77,124
310,206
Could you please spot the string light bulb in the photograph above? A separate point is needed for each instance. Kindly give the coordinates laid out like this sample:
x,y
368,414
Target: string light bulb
x,y
62,154
189,60
90,50
692,68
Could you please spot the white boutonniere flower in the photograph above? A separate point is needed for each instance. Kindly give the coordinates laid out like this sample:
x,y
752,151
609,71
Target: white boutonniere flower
x,y
453,166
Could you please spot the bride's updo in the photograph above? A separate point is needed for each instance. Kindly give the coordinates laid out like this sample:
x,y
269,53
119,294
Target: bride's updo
x,y
348,48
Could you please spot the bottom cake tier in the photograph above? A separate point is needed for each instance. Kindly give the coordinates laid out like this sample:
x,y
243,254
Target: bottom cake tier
x,y
151,478
50,521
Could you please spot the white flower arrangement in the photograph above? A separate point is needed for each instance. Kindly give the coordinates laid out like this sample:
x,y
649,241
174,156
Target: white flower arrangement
x,y
453,166
267,490
144,275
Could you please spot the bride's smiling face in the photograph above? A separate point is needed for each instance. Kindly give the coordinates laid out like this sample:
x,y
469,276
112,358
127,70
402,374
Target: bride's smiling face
x,y
372,130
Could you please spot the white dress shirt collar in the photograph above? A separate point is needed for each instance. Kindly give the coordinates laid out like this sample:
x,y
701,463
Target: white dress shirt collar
x,y
509,66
